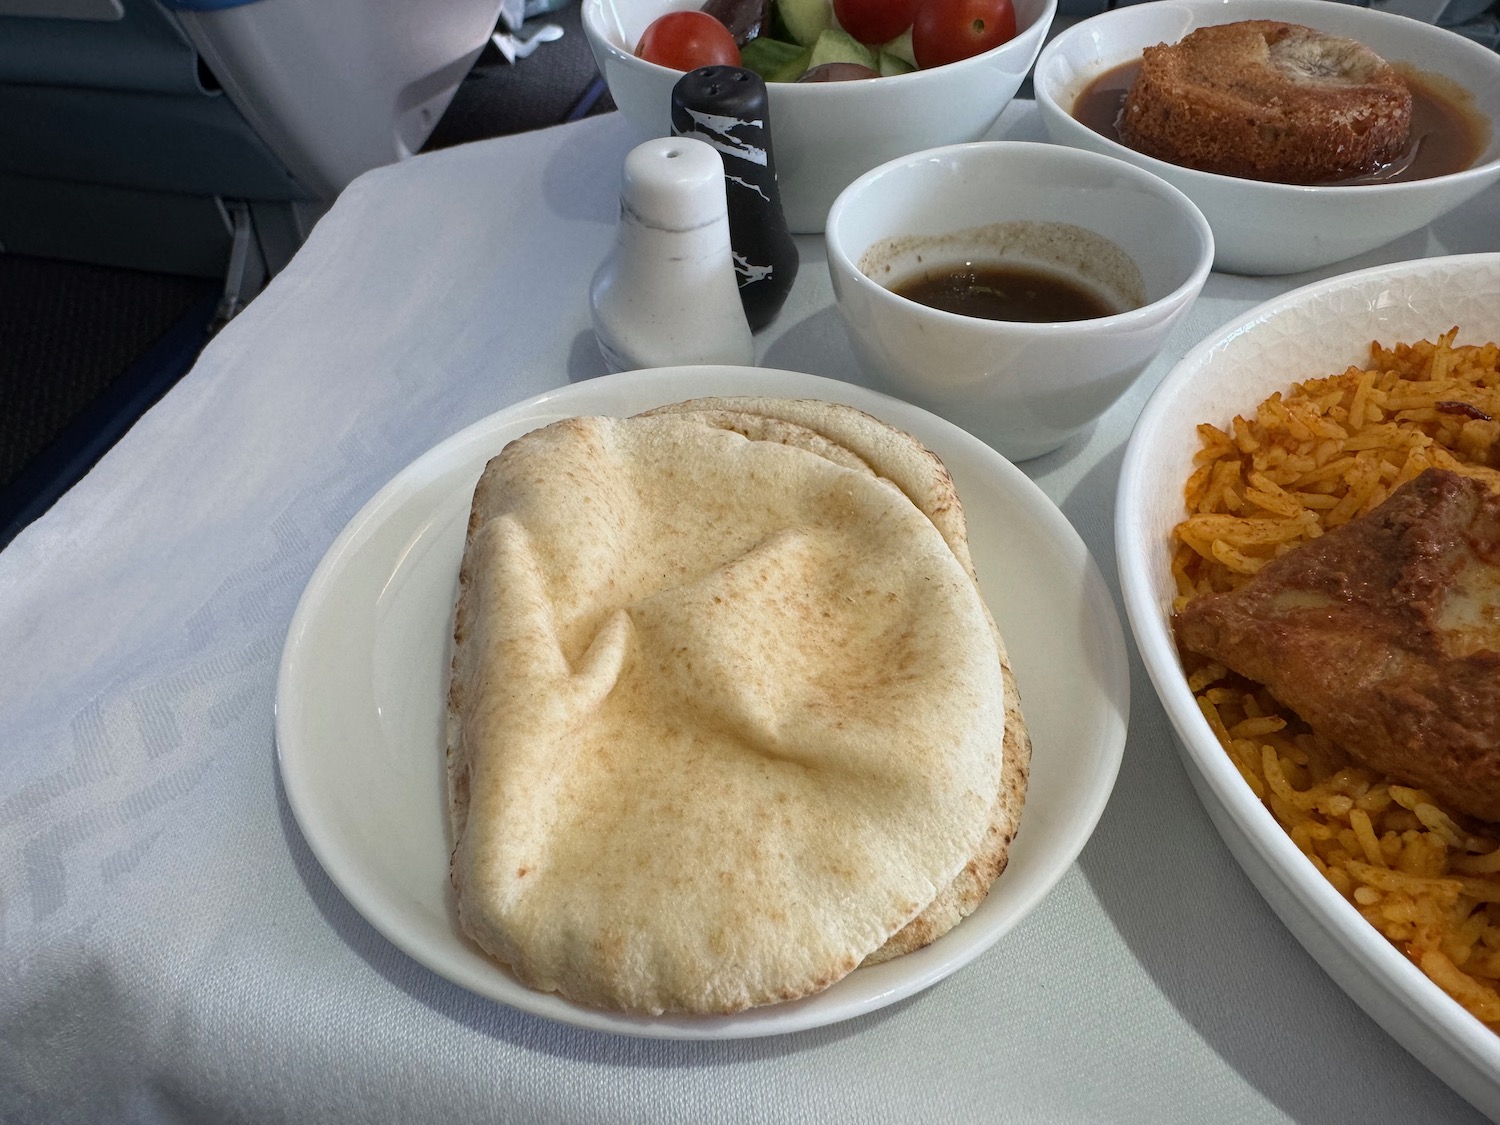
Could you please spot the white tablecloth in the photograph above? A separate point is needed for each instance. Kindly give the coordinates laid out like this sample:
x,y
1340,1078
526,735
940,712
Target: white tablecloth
x,y
171,951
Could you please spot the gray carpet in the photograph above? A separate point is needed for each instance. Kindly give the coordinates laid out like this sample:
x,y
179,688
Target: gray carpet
x,y
69,330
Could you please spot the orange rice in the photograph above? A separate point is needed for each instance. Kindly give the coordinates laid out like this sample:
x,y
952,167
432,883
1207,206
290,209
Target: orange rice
x,y
1320,454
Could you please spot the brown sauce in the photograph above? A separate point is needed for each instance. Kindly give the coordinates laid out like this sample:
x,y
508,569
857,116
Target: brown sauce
x,y
1446,136
1003,292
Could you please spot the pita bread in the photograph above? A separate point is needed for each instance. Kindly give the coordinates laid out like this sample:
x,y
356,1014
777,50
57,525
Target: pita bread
x,y
922,476
727,713
891,453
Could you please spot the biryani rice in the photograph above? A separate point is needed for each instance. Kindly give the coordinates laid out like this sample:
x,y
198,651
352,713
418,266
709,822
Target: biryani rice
x,y
1316,456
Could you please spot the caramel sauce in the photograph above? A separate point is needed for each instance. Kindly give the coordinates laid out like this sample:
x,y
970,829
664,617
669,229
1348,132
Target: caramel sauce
x,y
1446,135
1003,292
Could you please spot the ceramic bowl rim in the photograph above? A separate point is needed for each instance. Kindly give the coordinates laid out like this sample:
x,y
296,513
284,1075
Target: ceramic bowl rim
x,y
1046,98
1027,40
1361,945
1004,151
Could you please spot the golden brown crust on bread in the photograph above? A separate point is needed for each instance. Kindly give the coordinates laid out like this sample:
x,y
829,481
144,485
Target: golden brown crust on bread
x,y
1265,100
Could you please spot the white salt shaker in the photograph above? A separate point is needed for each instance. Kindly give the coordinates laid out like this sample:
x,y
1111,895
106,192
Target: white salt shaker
x,y
667,294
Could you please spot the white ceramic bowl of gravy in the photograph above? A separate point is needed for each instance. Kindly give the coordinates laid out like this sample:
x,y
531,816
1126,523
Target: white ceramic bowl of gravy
x,y
1271,228
1025,387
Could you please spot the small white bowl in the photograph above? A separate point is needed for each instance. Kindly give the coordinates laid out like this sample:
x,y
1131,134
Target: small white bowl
x,y
1319,329
825,134
1025,388
1266,228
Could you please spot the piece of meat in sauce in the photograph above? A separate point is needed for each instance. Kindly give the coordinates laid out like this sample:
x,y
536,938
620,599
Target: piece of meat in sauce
x,y
1384,636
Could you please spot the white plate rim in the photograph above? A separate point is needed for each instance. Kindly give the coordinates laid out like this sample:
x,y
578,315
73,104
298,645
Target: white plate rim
x,y
638,390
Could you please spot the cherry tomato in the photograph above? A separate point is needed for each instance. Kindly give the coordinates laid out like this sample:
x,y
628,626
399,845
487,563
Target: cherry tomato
x,y
944,31
874,21
687,40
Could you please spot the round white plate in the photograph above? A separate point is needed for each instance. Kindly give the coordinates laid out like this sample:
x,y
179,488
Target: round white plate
x,y
1319,329
360,701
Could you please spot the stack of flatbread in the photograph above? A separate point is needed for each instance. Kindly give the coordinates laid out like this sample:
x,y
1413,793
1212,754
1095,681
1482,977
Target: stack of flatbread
x,y
728,716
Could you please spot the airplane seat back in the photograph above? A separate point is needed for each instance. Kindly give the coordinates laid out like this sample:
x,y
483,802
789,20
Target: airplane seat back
x,y
202,136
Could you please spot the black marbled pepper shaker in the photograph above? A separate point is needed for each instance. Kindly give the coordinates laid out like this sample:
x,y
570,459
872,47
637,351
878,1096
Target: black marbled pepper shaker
x,y
727,107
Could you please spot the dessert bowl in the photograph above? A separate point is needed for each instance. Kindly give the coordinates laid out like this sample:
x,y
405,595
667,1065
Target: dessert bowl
x,y
825,134
1023,387
1272,228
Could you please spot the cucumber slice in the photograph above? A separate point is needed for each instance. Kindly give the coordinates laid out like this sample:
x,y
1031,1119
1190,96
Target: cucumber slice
x,y
900,47
794,69
890,63
835,45
775,60
805,20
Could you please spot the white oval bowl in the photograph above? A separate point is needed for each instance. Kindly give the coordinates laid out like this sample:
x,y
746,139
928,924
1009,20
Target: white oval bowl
x,y
1315,330
1024,388
826,134
1266,228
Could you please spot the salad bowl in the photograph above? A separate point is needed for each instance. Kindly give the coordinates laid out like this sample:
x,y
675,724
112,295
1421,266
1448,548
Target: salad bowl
x,y
827,134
